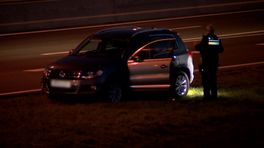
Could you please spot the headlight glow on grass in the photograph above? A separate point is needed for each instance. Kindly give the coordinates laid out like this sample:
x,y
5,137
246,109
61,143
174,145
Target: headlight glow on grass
x,y
197,92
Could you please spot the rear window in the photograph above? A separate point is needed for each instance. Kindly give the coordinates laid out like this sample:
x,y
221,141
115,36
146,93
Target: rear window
x,y
180,46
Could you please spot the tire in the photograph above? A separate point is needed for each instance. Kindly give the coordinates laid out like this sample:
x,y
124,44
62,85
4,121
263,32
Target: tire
x,y
114,93
45,91
52,96
180,85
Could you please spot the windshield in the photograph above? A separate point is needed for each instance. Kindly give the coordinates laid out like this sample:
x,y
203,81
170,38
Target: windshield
x,y
101,46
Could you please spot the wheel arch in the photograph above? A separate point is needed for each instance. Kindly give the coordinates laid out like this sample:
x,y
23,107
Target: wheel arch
x,y
178,69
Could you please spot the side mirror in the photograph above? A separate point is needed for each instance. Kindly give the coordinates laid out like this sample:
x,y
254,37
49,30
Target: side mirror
x,y
71,51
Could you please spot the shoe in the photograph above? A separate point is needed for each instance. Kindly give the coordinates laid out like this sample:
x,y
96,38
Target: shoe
x,y
206,98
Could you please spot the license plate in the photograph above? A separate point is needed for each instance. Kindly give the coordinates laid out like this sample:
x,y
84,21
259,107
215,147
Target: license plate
x,y
60,83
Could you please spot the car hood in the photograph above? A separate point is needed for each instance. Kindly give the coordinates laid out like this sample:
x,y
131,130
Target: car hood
x,y
73,62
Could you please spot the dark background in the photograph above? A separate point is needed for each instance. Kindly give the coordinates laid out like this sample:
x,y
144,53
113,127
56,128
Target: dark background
x,y
34,33
25,15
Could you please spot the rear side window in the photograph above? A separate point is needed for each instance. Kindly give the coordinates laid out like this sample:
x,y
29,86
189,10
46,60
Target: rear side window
x,y
157,50
181,48
161,49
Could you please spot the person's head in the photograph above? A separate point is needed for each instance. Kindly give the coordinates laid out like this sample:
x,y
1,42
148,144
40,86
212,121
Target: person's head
x,y
209,29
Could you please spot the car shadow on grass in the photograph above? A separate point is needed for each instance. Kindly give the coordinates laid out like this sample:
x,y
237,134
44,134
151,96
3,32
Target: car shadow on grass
x,y
157,96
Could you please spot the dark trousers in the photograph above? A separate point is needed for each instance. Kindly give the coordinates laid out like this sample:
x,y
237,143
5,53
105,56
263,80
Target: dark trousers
x,y
209,81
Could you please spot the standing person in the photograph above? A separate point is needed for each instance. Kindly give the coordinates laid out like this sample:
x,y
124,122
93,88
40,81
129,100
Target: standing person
x,y
209,49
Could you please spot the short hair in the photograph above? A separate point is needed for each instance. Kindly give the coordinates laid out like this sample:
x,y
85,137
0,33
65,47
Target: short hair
x,y
210,28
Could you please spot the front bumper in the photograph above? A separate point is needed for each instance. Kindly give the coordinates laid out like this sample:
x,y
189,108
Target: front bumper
x,y
77,87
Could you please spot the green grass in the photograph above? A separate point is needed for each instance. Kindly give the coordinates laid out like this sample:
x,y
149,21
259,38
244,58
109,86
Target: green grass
x,y
252,93
195,92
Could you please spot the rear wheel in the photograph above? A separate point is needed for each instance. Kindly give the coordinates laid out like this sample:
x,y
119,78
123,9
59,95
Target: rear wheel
x,y
180,84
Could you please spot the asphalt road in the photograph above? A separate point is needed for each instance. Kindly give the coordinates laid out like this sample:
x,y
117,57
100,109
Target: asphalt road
x,y
22,56
26,15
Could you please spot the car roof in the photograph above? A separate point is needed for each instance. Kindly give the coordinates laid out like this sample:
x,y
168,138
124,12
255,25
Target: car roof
x,y
126,33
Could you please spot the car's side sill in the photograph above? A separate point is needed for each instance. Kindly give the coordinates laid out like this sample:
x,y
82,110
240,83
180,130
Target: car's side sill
x,y
150,86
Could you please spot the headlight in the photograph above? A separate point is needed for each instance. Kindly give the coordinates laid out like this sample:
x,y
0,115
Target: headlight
x,y
76,75
88,75
99,73
91,75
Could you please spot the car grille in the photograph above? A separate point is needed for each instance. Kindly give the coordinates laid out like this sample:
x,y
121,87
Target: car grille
x,y
63,74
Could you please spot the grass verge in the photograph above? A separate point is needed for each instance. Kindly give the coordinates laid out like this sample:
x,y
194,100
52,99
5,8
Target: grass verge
x,y
234,120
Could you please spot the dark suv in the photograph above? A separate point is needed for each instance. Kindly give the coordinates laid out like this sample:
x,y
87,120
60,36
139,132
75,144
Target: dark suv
x,y
113,61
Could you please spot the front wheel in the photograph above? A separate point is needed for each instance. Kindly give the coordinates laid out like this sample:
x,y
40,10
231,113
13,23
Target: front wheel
x,y
114,93
180,84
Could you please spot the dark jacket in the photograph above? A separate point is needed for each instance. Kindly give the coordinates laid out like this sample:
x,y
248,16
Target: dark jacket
x,y
209,48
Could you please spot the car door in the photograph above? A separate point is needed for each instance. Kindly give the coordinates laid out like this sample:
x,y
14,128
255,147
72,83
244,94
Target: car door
x,y
149,66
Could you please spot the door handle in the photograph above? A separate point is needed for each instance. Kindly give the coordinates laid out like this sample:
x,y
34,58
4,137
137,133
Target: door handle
x,y
163,66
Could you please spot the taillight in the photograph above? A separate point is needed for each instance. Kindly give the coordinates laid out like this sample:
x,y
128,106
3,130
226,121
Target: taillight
x,y
190,53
